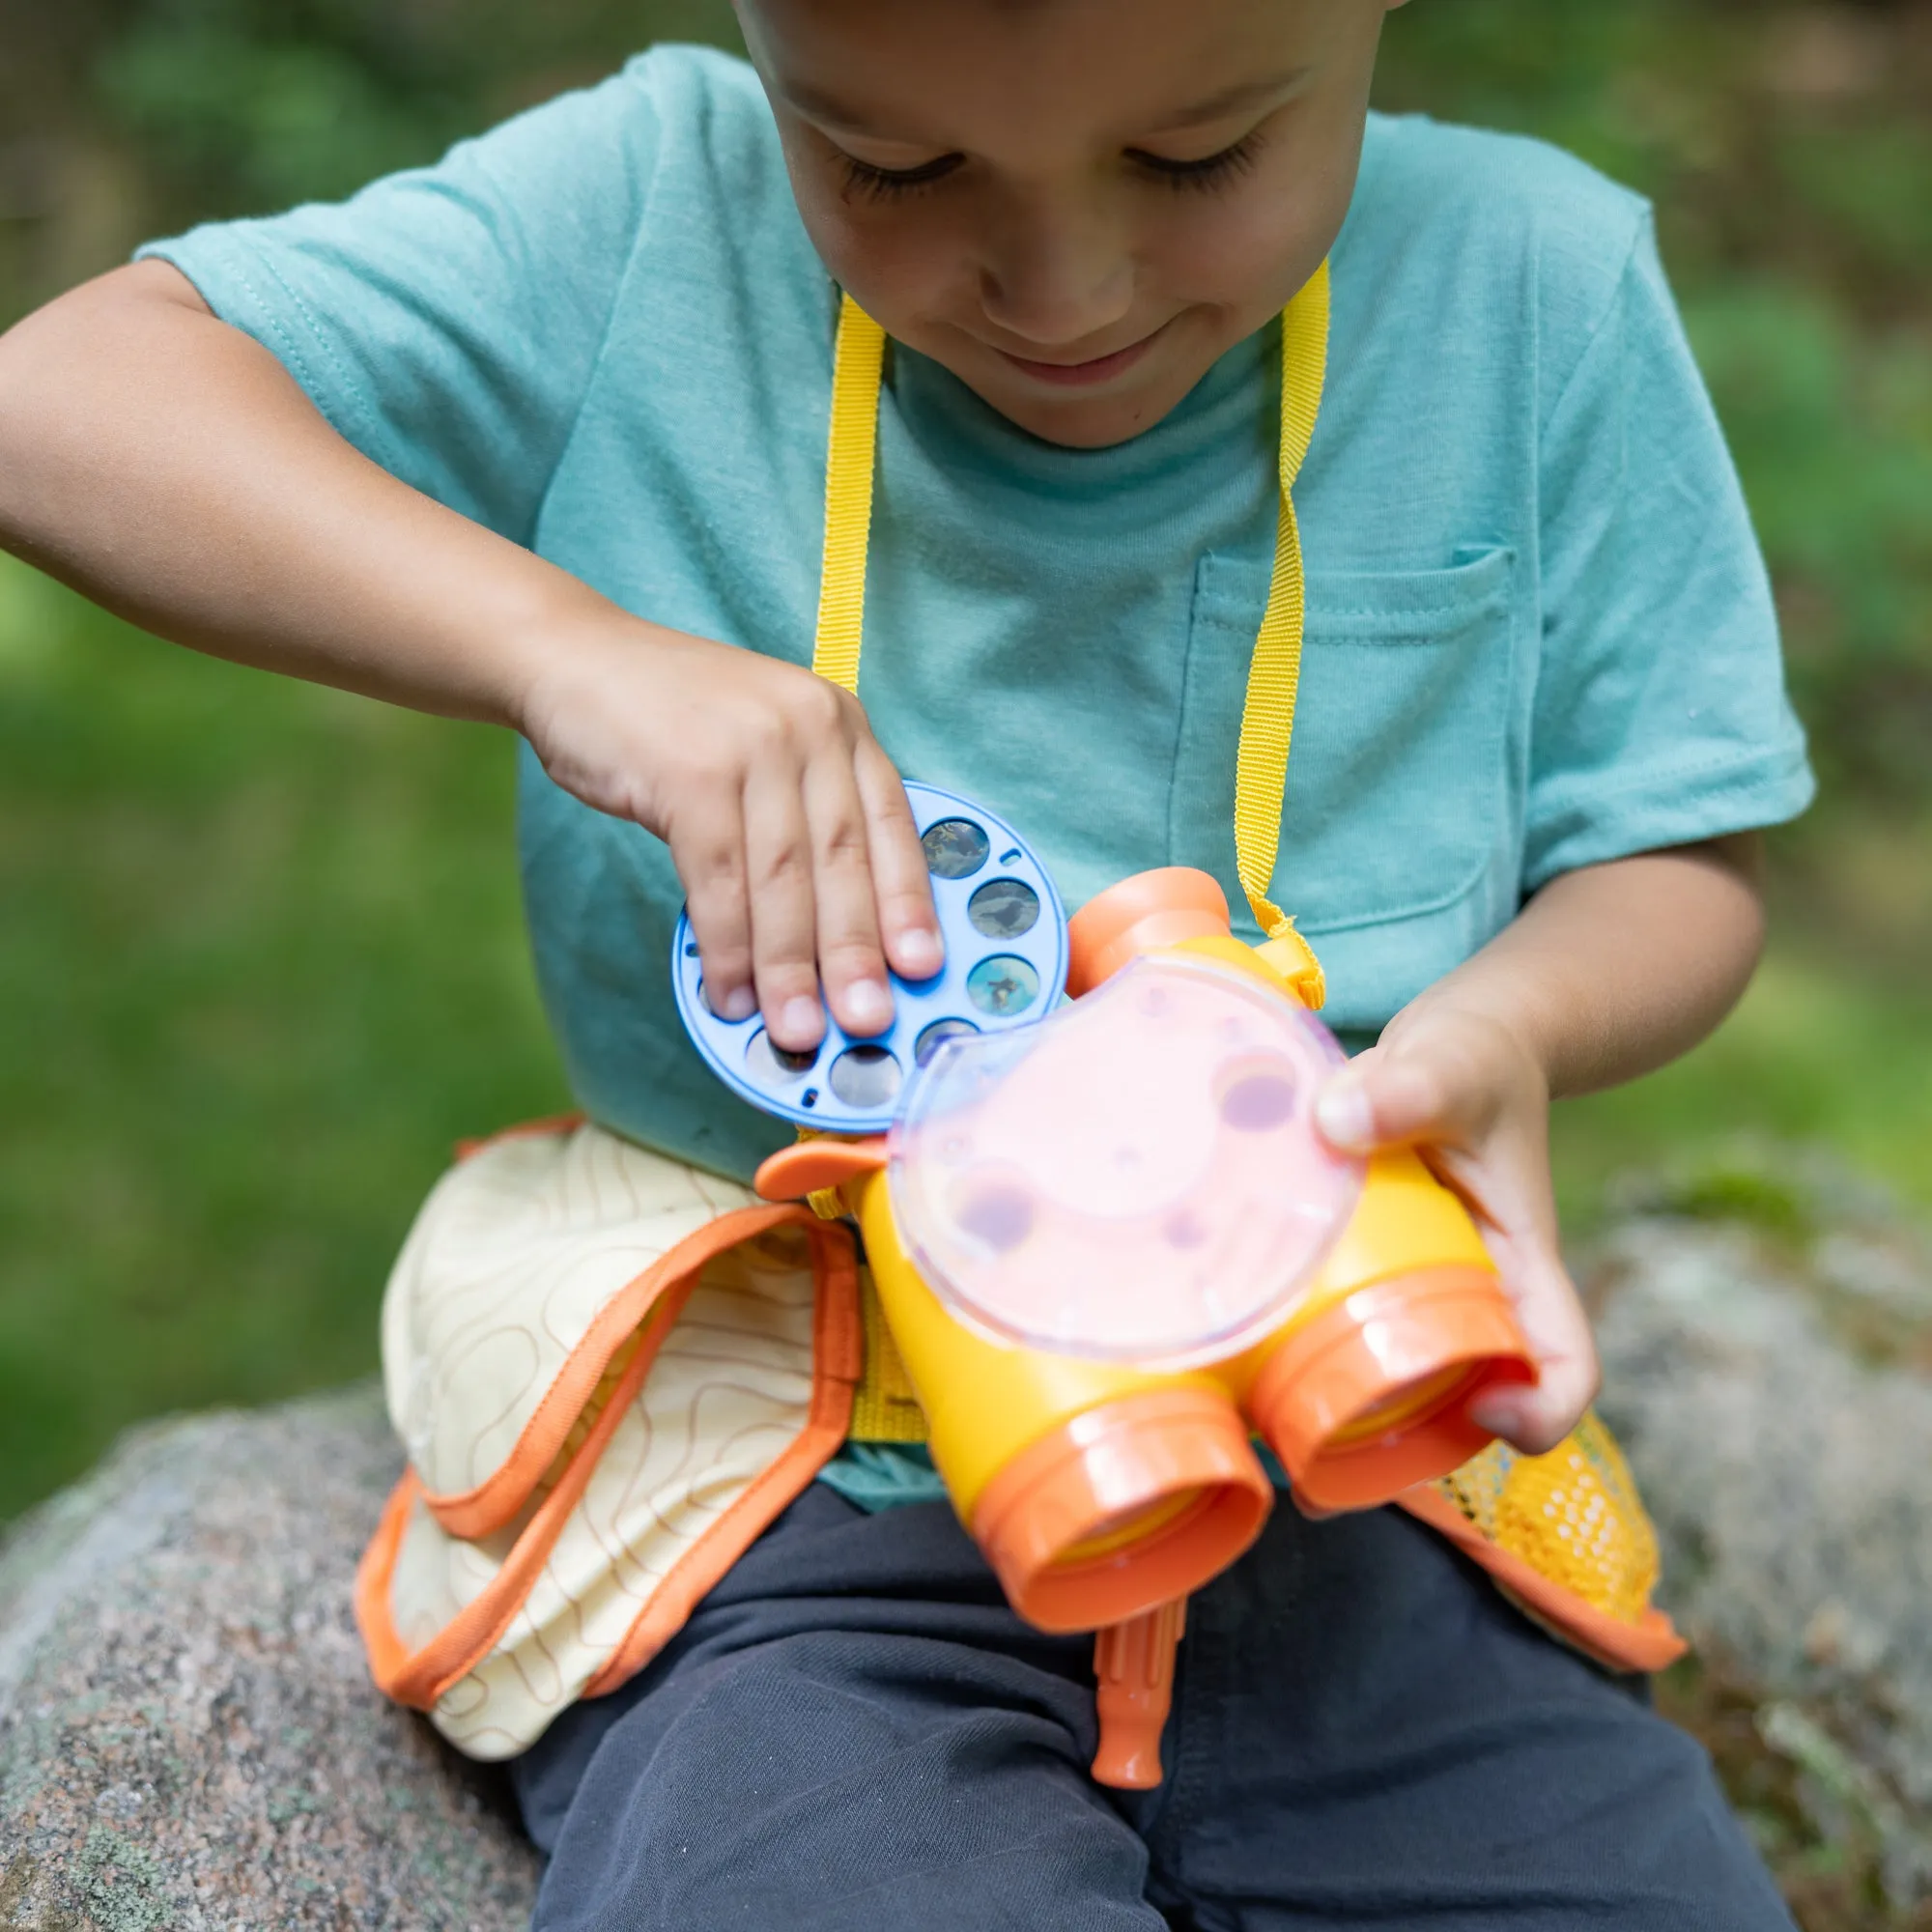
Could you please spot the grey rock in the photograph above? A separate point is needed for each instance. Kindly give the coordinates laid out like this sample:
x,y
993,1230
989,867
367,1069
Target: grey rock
x,y
1770,1388
189,1737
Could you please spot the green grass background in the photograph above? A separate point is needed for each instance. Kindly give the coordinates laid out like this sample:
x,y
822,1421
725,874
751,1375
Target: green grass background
x,y
260,954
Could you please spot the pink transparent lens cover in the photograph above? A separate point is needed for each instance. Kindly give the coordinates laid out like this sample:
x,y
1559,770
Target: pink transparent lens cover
x,y
1137,1179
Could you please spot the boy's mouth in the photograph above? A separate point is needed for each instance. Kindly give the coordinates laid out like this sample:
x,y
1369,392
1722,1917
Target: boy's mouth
x,y
1080,375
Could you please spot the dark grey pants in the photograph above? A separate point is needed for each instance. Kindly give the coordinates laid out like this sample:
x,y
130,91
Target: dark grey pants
x,y
855,1735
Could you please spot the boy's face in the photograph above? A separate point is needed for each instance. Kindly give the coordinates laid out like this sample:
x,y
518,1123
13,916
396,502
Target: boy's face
x,y
1075,206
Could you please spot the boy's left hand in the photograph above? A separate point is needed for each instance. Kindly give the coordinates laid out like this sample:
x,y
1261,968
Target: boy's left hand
x,y
1472,1097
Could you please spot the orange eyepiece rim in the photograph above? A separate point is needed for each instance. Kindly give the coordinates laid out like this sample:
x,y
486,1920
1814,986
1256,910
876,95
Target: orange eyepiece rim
x,y
1417,1348
1126,1507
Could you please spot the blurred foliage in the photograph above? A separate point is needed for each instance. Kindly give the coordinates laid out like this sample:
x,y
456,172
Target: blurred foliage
x,y
260,957
250,106
260,965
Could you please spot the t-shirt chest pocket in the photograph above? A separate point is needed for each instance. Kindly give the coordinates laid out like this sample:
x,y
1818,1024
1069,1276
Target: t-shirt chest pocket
x,y
1406,778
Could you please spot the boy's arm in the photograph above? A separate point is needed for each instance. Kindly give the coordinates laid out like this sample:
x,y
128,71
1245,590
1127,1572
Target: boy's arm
x,y
1610,973
170,468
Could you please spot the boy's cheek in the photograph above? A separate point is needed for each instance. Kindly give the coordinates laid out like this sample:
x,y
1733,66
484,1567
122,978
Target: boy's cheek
x,y
898,261
1248,261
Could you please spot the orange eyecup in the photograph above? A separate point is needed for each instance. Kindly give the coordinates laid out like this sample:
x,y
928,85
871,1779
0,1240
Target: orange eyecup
x,y
1142,915
1372,1396
1128,1506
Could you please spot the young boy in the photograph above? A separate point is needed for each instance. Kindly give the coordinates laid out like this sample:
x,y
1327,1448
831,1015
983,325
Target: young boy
x,y
538,435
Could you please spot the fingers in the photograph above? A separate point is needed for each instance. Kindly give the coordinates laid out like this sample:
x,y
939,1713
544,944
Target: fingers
x,y
711,859
1373,1104
1552,1317
1522,1238
1448,1080
1460,1087
802,868
779,883
1536,1420
901,882
851,961
828,880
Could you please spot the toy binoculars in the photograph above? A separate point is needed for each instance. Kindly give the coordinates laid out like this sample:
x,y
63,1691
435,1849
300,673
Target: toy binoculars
x,y
1111,1250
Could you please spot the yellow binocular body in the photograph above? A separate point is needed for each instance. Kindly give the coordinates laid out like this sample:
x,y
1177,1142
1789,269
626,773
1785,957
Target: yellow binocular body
x,y
1102,1491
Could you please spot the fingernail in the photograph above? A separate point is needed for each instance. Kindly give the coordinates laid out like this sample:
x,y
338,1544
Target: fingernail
x,y
1494,1417
921,953
802,1020
739,1003
1344,1116
869,1004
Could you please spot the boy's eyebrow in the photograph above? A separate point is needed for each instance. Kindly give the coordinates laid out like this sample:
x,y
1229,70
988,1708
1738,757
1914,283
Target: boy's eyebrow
x,y
1232,99
816,105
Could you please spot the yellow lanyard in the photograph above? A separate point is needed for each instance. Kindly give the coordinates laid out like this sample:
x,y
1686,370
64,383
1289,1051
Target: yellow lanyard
x,y
1274,675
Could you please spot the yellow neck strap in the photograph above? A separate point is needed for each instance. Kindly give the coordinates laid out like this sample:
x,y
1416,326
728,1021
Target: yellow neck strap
x,y
1268,718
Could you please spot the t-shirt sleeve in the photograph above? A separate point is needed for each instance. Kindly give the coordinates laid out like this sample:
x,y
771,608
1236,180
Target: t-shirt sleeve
x,y
448,321
1661,716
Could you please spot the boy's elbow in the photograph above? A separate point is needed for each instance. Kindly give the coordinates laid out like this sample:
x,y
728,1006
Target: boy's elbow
x,y
137,288
59,340
1741,854
1738,859
61,368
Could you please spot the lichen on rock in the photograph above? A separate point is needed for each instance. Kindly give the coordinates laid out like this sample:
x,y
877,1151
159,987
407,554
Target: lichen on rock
x,y
189,1737
1766,1331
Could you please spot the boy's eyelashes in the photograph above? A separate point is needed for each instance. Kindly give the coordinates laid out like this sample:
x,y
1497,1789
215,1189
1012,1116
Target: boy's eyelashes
x,y
1208,171
873,183
876,183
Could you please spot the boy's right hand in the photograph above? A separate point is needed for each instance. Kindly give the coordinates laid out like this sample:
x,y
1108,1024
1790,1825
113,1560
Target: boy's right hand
x,y
787,823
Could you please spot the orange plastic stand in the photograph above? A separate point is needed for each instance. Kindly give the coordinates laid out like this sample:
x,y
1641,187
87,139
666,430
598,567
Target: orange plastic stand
x,y
1133,1667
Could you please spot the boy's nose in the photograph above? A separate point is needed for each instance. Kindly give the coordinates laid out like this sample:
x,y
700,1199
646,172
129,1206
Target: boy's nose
x,y
1058,279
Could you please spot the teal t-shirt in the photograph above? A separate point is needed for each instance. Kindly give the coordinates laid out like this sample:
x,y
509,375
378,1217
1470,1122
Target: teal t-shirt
x,y
1540,633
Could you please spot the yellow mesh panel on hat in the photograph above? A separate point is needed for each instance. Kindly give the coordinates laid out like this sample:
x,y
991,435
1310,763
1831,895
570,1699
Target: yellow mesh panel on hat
x,y
1572,1516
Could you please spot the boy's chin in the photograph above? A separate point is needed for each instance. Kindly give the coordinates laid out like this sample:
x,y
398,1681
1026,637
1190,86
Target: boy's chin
x,y
1097,418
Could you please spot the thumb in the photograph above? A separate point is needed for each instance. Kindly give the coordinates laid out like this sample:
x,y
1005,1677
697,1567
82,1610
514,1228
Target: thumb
x,y
1381,1101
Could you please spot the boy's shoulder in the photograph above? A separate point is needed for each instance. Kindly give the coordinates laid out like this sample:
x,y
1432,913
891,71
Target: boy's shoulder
x,y
1520,213
698,88
1453,160
719,206
688,70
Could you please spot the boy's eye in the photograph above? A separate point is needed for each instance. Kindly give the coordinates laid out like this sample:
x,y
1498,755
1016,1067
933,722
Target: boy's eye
x,y
876,183
1208,171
